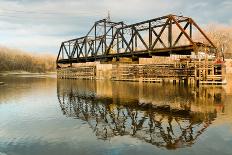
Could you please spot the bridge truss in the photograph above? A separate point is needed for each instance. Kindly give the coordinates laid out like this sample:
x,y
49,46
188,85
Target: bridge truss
x,y
161,36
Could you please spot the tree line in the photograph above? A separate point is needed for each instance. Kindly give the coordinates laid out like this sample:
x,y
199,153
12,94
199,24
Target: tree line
x,y
221,36
16,60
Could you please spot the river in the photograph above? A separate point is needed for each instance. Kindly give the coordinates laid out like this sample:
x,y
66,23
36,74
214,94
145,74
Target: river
x,y
41,115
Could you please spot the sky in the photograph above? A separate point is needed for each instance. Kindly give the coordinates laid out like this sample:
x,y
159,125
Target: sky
x,y
41,25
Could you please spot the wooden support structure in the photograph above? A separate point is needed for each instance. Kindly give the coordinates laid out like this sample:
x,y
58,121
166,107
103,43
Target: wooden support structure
x,y
81,72
185,71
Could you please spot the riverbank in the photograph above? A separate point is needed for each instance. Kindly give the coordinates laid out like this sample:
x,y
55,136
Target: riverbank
x,y
27,74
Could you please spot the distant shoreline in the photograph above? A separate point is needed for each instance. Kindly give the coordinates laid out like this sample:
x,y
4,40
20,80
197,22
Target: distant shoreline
x,y
27,74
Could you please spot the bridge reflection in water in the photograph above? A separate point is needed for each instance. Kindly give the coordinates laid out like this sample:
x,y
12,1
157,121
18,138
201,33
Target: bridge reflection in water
x,y
166,116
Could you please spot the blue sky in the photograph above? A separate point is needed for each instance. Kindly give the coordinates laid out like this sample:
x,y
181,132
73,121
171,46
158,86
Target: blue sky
x,y
41,25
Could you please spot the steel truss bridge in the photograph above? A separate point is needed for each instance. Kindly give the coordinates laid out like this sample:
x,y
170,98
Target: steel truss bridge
x,y
161,36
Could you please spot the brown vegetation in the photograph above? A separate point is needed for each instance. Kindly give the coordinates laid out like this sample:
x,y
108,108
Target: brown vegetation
x,y
16,60
221,36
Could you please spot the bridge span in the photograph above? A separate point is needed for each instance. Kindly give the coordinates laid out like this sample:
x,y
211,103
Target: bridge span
x,y
162,36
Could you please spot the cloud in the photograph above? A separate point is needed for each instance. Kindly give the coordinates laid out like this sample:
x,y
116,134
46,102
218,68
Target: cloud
x,y
41,25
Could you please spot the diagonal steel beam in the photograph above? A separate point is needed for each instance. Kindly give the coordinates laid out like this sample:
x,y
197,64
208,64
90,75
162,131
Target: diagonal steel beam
x,y
131,40
111,43
161,32
158,38
59,53
182,30
193,22
74,49
181,33
81,48
90,43
99,45
124,40
140,37
66,51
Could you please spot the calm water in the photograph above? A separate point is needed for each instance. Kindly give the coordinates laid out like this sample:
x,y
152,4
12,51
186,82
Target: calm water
x,y
44,116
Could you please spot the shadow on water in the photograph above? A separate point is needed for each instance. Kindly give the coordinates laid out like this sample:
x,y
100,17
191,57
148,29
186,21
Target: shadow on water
x,y
166,116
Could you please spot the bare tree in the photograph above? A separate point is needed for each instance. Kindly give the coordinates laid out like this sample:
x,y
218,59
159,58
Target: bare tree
x,y
16,60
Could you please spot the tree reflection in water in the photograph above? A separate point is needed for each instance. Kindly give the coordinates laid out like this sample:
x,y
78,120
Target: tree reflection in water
x,y
119,108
